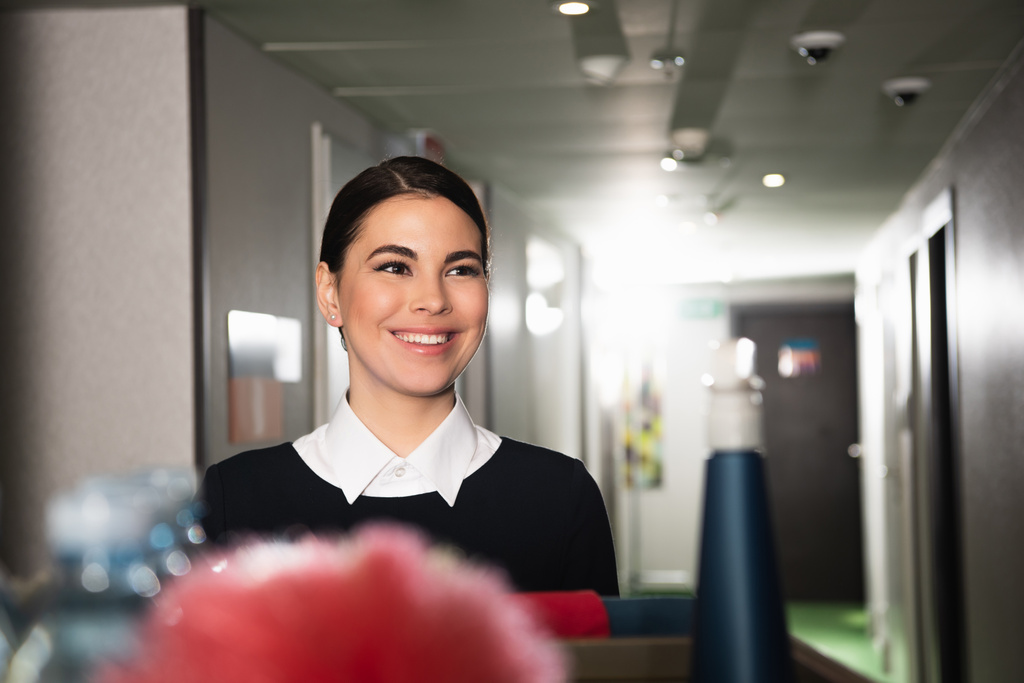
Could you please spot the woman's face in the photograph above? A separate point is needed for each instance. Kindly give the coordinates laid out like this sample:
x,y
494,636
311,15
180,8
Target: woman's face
x,y
412,297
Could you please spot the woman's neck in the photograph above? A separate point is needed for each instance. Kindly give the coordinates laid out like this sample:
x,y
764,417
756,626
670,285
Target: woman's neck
x,y
401,423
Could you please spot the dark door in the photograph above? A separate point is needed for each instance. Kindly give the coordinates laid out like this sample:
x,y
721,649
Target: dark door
x,y
807,357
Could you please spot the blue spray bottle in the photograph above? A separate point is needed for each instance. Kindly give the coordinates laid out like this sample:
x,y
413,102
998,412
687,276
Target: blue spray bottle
x,y
740,631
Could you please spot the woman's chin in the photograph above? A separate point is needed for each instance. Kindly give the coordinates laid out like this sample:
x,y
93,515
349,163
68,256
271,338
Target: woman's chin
x,y
425,388
431,391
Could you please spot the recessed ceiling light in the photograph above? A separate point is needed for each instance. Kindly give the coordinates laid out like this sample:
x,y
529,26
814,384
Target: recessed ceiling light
x,y
774,180
668,163
571,8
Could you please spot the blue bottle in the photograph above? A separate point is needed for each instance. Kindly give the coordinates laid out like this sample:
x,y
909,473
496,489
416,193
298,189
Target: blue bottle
x,y
740,633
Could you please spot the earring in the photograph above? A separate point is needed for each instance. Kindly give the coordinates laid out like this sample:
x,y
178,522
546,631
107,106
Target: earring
x,y
333,317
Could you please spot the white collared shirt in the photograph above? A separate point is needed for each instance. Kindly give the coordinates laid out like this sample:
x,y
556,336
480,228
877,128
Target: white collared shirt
x,y
346,454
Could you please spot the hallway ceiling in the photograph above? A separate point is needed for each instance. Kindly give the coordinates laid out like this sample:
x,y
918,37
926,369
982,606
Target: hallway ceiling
x,y
499,85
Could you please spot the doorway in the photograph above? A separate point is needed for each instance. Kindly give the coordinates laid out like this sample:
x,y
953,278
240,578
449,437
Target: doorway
x,y
938,600
807,356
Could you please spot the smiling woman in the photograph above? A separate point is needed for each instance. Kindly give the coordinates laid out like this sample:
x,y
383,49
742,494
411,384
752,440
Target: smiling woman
x,y
411,301
403,274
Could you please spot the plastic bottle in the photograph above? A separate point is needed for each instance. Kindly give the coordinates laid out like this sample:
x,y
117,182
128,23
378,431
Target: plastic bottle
x,y
114,540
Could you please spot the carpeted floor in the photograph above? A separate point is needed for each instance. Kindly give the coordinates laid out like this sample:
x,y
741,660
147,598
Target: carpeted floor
x,y
838,630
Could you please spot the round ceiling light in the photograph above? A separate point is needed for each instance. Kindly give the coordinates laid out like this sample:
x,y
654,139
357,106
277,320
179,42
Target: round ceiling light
x,y
773,180
571,8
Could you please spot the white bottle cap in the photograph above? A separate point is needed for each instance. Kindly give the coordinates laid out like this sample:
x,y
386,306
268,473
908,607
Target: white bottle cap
x,y
734,418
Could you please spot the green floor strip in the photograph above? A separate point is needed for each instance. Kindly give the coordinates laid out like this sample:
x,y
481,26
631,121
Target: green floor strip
x,y
838,630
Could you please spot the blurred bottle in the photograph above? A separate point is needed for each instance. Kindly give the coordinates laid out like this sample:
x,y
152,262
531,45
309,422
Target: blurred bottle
x,y
740,631
115,541
11,623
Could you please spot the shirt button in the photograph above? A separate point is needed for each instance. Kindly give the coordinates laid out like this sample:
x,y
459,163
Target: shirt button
x,y
400,472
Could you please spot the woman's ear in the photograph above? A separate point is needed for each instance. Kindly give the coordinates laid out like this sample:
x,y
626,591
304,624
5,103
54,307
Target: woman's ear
x,y
327,295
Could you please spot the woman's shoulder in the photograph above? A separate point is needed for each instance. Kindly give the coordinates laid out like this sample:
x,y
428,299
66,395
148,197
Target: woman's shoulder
x,y
260,460
523,449
536,460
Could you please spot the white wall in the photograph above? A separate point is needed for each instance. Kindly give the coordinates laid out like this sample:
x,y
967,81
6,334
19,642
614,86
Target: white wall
x,y
658,529
97,359
535,380
509,348
557,363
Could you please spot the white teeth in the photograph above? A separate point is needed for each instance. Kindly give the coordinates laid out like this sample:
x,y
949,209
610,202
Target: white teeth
x,y
423,338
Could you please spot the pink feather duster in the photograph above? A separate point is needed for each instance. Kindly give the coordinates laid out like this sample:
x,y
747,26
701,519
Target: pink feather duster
x,y
377,607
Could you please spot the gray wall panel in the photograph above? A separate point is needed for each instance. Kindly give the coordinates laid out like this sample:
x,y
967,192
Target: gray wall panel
x,y
260,202
98,294
984,166
509,346
989,175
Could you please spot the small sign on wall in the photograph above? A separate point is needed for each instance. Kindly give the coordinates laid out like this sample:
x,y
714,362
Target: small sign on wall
x,y
799,357
264,352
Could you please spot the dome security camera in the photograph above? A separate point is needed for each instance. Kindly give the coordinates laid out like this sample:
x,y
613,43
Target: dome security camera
x,y
816,46
904,91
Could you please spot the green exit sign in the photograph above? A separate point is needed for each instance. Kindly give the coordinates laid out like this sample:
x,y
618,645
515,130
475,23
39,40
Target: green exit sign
x,y
701,308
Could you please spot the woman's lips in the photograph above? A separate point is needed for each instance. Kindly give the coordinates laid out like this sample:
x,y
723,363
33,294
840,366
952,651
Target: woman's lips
x,y
424,339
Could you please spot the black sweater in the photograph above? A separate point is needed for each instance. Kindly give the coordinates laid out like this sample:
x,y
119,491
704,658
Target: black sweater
x,y
536,513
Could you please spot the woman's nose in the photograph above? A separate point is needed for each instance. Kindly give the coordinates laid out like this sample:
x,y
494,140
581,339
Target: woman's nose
x,y
431,296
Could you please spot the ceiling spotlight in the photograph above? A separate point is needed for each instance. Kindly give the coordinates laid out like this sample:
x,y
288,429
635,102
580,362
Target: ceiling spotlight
x,y
666,58
816,46
904,91
773,180
571,9
669,162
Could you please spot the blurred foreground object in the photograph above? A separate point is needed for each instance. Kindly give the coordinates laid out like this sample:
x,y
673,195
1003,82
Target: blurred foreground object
x,y
376,607
740,628
116,540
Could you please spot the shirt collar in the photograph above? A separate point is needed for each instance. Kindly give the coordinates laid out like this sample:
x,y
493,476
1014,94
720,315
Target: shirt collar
x,y
355,456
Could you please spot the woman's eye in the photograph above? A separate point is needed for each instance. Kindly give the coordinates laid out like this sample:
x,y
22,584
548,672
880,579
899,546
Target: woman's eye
x,y
465,270
394,267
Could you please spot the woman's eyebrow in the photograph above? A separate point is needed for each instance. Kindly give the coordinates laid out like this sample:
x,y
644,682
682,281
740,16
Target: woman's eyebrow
x,y
464,254
394,249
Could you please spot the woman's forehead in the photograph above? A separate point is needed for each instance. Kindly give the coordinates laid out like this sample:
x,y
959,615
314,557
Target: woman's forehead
x,y
426,220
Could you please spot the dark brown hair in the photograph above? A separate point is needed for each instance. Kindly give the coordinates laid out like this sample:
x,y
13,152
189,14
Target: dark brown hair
x,y
393,178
